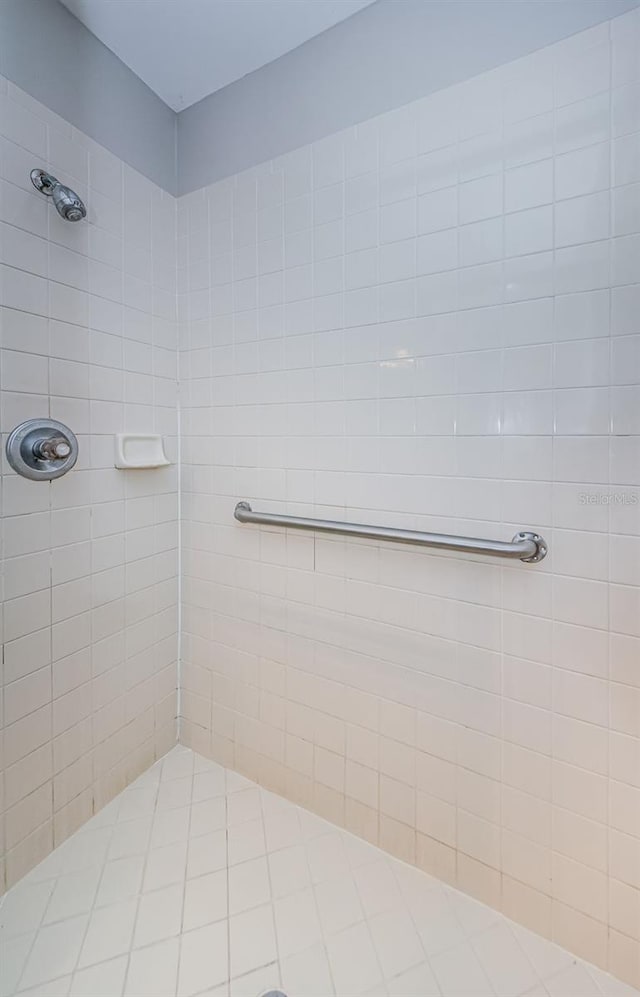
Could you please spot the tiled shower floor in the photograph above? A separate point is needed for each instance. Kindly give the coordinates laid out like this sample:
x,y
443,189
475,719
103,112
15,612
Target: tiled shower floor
x,y
195,881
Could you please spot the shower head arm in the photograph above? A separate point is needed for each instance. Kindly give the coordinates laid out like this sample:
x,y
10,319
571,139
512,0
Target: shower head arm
x,y
44,182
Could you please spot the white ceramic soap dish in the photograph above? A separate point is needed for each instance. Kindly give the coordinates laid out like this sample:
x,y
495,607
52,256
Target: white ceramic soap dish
x,y
139,450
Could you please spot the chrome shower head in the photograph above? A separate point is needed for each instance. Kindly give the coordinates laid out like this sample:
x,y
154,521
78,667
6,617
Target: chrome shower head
x,y
69,206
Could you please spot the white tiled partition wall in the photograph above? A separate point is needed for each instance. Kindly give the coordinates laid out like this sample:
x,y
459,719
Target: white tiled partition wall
x,y
88,337
431,321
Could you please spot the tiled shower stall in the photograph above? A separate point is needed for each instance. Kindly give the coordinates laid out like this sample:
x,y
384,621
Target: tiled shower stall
x,y
429,320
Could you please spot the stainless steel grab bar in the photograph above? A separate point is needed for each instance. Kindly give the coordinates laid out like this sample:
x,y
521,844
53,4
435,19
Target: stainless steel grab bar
x,y
528,547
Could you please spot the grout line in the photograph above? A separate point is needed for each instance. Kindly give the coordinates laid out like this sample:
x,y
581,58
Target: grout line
x,y
179,541
184,882
278,961
226,845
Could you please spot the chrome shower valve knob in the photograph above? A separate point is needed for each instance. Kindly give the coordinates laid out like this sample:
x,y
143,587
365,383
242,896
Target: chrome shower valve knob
x,y
55,448
42,449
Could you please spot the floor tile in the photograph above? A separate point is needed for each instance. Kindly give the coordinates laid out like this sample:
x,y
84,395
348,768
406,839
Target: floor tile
x,y
274,804
109,933
289,870
205,900
55,951
203,959
207,785
87,849
327,858
73,894
243,806
377,887
257,982
252,940
472,915
282,829
121,879
159,916
459,973
546,958
416,982
174,794
136,803
207,853
438,927
170,827
609,986
153,971
178,764
396,942
221,991
307,973
353,961
297,924
573,982
338,904
22,910
207,816
130,838
54,988
15,952
98,981
503,961
249,885
246,841
236,782
361,852
166,865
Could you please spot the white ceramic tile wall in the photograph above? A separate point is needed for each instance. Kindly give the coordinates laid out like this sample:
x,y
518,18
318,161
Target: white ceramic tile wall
x,y
88,336
431,321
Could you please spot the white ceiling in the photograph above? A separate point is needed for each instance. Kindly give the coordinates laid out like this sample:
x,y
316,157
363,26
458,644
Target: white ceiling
x,y
186,49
